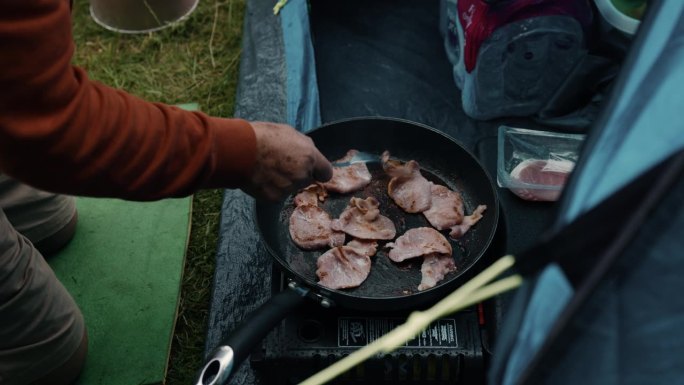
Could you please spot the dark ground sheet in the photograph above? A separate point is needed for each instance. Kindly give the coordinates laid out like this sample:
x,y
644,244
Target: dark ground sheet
x,y
380,58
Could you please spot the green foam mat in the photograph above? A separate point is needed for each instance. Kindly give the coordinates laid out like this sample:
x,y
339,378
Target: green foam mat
x,y
124,269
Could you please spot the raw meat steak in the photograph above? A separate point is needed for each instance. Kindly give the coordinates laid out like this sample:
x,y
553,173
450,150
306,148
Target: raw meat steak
x,y
468,222
343,267
550,175
417,242
362,219
310,228
446,209
435,267
408,188
350,178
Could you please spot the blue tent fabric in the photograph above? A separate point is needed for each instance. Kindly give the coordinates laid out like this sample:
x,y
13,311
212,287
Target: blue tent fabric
x,y
637,308
542,311
629,331
303,111
644,127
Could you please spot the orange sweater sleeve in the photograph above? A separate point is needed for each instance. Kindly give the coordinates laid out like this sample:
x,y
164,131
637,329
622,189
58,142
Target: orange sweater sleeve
x,y
61,132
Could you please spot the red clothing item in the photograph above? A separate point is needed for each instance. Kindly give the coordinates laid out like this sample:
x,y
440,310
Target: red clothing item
x,y
479,19
61,132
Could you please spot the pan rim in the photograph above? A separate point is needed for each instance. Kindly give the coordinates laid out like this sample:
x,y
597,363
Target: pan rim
x,y
429,293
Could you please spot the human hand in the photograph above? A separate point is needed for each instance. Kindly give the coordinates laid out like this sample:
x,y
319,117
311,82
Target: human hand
x,y
286,161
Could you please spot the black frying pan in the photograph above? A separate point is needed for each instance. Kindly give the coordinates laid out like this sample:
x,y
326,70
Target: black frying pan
x,y
389,286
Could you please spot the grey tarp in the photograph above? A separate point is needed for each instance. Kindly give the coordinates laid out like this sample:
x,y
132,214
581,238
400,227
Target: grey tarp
x,y
361,57
242,262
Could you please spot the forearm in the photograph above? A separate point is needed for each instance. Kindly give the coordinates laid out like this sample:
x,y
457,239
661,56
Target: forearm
x,y
60,131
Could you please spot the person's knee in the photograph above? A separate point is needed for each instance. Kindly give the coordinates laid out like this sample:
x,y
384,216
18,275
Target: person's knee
x,y
59,239
42,330
59,365
48,220
69,372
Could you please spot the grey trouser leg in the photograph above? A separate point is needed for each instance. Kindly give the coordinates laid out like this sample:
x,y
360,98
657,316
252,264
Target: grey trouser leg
x,y
40,324
35,214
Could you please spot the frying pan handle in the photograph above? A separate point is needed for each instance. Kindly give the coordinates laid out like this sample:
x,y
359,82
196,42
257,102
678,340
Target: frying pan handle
x,y
237,346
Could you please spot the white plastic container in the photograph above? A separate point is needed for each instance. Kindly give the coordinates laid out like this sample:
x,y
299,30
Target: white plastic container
x,y
534,164
140,16
616,19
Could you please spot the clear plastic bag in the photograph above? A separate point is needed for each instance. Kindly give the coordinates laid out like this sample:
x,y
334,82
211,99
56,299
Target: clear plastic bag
x,y
535,165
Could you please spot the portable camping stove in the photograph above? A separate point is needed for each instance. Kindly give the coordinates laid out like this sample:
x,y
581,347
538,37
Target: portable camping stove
x,y
449,352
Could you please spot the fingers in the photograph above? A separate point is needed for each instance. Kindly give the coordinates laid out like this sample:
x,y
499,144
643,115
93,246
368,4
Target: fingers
x,y
322,169
287,160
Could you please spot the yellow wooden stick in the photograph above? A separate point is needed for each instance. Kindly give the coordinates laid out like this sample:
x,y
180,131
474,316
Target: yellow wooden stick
x,y
466,295
498,287
280,4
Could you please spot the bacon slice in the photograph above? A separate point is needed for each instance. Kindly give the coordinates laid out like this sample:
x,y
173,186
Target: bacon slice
x,y
435,267
362,219
408,188
310,228
311,195
446,209
350,178
309,224
364,246
417,242
346,266
468,222
447,212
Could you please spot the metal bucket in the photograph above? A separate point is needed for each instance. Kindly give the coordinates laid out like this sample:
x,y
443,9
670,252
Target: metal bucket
x,y
139,16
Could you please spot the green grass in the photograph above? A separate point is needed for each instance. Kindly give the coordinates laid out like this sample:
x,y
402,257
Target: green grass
x,y
193,61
